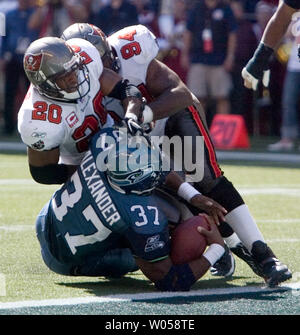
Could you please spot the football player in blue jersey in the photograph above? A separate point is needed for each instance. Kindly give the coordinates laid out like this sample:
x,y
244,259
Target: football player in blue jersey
x,y
107,219
132,53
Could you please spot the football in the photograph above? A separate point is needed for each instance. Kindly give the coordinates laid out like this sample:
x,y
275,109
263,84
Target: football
x,y
187,243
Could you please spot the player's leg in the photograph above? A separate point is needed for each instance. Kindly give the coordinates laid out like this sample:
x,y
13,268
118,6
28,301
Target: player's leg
x,y
43,237
115,262
179,124
239,218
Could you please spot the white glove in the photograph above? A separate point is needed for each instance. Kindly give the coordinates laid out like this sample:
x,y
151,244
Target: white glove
x,y
252,82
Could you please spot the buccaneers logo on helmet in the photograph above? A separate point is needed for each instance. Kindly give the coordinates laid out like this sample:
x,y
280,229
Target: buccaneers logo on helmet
x,y
33,62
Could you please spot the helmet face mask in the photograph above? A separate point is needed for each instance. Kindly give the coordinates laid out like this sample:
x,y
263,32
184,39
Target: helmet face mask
x,y
50,58
94,35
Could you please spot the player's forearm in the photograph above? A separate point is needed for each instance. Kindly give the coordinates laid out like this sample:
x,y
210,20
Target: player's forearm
x,y
277,26
176,183
52,174
169,92
171,101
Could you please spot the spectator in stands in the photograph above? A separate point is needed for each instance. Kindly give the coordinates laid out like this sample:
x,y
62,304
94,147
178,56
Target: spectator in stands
x,y
93,7
241,97
171,40
52,17
115,16
146,12
269,99
209,44
290,104
14,43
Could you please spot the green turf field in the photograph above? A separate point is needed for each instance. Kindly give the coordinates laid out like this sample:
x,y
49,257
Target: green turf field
x,y
272,194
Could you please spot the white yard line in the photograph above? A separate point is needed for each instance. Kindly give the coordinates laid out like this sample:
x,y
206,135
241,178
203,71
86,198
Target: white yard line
x,y
148,296
16,228
17,182
293,190
258,156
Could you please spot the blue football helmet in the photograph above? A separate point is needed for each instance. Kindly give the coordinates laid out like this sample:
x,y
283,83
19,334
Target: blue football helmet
x,y
134,167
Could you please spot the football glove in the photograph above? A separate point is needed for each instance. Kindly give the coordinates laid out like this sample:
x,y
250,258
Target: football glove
x,y
254,81
133,127
257,68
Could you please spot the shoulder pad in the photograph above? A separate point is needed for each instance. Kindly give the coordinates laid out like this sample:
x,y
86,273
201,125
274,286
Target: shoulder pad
x,y
39,135
147,44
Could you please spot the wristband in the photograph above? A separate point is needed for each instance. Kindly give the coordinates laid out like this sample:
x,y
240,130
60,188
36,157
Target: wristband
x,y
214,253
147,114
187,191
259,61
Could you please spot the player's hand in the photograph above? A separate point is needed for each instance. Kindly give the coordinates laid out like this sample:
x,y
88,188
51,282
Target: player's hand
x,y
212,235
133,127
257,68
211,207
299,52
250,81
147,128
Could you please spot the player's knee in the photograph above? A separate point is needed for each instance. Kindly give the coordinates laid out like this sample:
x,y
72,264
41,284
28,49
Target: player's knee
x,y
114,264
179,278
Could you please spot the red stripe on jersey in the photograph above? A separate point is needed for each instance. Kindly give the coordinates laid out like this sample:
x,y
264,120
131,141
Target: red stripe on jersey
x,y
207,141
145,92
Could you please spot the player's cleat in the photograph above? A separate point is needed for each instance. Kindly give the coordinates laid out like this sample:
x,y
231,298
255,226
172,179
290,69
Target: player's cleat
x,y
240,251
273,271
225,266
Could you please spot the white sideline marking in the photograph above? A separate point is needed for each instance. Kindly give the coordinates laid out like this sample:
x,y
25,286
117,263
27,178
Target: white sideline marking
x,y
273,189
147,296
283,240
258,156
17,228
17,182
278,220
289,192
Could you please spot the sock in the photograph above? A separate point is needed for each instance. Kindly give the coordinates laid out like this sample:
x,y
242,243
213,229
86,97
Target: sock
x,y
242,222
232,240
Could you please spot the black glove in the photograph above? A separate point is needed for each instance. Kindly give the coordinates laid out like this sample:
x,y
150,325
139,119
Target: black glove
x,y
133,127
147,128
299,52
257,67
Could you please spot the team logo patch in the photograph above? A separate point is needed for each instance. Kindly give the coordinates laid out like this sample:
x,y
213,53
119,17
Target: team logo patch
x,y
33,62
153,243
72,119
39,145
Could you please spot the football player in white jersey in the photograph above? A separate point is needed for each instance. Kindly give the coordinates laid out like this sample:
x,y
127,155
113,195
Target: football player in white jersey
x,y
134,50
63,107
